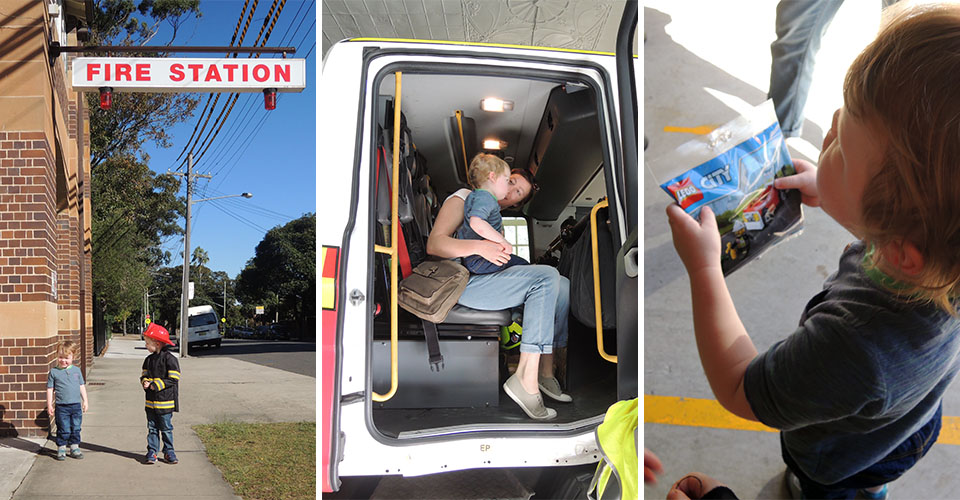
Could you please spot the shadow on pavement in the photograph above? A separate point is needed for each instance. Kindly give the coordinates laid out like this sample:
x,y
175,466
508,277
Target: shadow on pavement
x,y
137,457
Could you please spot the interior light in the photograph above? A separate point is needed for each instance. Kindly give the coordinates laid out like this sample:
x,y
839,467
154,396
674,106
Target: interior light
x,y
493,144
269,99
495,105
106,97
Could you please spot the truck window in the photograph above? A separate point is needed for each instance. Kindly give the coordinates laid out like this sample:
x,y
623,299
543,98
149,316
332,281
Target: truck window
x,y
202,320
515,231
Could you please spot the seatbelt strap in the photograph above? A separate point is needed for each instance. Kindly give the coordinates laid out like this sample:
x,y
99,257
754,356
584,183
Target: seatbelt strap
x,y
463,147
433,345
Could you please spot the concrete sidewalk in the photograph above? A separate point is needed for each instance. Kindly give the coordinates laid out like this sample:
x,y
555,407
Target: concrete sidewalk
x,y
114,429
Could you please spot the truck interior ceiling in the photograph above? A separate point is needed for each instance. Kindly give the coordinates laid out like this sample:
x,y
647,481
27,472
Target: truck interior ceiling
x,y
553,129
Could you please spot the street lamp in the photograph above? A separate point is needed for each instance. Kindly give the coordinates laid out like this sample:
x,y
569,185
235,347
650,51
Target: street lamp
x,y
184,298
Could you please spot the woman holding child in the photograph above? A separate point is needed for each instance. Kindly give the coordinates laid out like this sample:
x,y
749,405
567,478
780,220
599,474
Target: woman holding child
x,y
543,293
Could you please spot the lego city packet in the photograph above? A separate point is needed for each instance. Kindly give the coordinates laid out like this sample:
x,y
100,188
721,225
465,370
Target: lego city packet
x,y
731,170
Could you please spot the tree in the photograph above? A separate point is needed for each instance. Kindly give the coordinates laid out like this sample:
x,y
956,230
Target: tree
x,y
135,118
199,259
133,210
284,267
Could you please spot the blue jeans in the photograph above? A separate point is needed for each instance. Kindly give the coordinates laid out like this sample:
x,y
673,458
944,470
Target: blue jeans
x,y
159,426
68,418
544,294
800,25
889,468
478,265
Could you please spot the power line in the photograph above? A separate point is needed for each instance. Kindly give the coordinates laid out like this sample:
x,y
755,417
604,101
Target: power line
x,y
232,40
232,132
273,22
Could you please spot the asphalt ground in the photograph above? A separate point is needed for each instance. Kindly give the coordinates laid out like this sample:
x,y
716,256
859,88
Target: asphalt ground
x,y
703,66
295,357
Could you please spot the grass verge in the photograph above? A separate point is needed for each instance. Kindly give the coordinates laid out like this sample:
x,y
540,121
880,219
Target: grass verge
x,y
264,461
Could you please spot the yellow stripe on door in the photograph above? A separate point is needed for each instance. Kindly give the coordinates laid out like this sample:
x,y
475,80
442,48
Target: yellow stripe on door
x,y
696,412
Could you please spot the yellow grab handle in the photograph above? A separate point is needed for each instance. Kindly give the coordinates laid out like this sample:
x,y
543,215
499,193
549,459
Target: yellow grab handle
x,y
394,223
596,280
463,146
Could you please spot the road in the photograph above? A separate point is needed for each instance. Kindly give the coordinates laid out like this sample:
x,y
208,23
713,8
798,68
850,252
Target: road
x,y
296,357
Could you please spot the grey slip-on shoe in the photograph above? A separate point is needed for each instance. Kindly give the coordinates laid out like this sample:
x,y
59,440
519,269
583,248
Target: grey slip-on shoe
x,y
551,387
531,404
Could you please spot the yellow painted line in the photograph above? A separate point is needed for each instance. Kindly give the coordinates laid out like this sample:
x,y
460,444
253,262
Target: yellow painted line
x,y
701,130
696,412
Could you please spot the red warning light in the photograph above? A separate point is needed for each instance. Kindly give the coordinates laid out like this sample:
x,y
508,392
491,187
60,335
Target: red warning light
x,y
269,99
106,97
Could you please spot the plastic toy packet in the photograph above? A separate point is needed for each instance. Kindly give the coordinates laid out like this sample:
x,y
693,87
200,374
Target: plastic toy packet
x,y
731,170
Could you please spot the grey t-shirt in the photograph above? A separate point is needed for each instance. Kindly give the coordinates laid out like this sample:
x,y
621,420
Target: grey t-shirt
x,y
862,373
66,384
479,203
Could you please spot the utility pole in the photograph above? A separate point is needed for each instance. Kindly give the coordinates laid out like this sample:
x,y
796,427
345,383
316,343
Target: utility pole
x,y
225,297
185,297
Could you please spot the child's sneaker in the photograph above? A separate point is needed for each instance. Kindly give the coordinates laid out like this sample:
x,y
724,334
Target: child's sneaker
x,y
151,458
75,452
880,495
62,453
170,458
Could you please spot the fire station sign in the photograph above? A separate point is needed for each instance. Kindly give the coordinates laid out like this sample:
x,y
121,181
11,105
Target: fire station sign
x,y
153,74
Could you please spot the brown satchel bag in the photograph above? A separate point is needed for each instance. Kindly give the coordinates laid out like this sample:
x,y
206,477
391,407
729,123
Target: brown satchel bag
x,y
433,289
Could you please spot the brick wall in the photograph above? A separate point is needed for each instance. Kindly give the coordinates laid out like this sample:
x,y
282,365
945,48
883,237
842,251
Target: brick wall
x,y
24,364
27,203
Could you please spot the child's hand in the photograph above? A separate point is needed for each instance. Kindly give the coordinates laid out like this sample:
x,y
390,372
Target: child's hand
x,y
507,247
146,384
651,467
492,251
697,243
805,180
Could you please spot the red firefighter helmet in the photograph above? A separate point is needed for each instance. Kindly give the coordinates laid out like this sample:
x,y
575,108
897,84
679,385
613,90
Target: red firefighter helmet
x,y
158,333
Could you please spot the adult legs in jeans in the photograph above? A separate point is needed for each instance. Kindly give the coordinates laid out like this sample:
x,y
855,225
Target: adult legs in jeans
x,y
68,418
800,25
159,427
561,312
534,286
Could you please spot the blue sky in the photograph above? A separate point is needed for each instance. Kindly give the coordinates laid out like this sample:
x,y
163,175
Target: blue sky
x,y
271,154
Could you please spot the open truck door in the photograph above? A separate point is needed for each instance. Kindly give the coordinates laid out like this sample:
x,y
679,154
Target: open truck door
x,y
385,410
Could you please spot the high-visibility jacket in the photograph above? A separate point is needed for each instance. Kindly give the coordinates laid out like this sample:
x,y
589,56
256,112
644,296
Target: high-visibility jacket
x,y
617,439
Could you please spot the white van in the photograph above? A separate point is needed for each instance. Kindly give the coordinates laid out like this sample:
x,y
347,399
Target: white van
x,y
397,415
203,327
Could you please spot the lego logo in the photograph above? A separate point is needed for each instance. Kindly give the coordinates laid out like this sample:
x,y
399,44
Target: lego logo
x,y
685,192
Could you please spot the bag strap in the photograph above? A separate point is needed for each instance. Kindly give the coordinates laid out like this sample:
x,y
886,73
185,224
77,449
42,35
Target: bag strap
x,y
433,345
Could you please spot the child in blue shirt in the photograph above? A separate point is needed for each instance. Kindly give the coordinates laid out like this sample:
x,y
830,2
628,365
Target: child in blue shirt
x,y
857,389
490,176
66,382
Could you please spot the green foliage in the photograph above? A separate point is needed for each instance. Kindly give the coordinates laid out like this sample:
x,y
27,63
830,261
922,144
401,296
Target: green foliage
x,y
135,117
133,209
284,269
